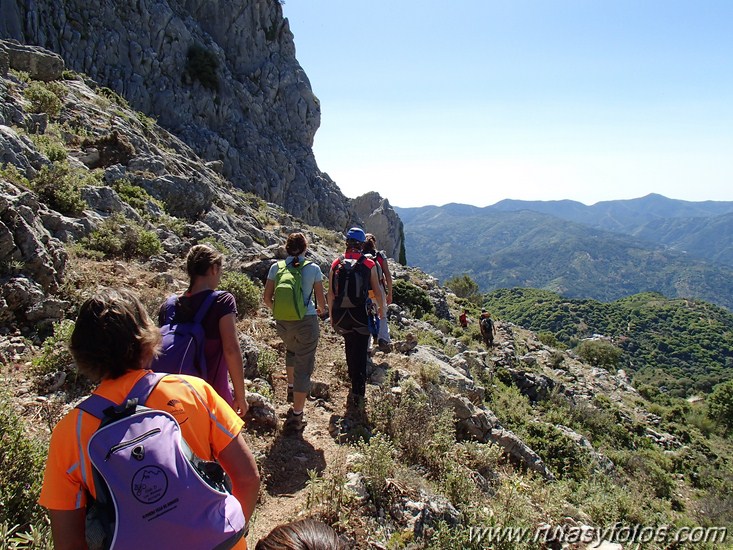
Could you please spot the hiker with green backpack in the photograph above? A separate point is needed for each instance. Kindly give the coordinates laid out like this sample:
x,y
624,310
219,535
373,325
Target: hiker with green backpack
x,y
294,293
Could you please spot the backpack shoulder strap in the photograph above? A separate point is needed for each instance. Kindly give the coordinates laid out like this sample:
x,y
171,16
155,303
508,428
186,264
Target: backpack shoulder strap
x,y
204,307
144,387
169,309
96,405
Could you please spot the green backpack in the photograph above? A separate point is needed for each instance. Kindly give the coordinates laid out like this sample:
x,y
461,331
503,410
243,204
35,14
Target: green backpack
x,y
288,297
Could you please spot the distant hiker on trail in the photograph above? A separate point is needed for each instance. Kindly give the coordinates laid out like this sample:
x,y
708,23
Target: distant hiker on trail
x,y
113,343
292,287
351,276
487,328
303,534
221,345
463,319
385,286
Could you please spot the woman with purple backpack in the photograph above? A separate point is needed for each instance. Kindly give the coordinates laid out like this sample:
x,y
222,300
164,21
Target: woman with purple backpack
x,y
221,345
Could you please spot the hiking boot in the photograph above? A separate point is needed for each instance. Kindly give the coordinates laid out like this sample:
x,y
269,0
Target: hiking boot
x,y
384,346
355,407
290,395
294,423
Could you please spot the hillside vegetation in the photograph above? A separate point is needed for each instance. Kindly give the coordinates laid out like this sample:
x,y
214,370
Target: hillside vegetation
x,y
679,346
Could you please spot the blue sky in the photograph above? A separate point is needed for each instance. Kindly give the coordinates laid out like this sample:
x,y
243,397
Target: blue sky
x,y
475,101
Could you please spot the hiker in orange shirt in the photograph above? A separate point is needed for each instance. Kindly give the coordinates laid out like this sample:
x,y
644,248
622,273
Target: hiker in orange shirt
x,y
113,342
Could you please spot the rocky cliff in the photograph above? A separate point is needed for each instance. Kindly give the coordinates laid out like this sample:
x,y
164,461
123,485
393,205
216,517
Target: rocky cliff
x,y
222,76
383,222
76,162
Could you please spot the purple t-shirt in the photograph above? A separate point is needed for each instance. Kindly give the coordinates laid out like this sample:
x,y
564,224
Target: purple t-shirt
x,y
216,365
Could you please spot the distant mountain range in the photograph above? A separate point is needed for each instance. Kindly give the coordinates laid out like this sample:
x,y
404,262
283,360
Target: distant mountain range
x,y
605,251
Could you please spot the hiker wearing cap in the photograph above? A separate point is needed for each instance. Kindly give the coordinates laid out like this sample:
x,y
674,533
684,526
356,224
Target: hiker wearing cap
x,y
296,318
350,278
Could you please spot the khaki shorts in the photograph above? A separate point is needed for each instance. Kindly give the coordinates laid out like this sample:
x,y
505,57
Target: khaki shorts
x,y
301,340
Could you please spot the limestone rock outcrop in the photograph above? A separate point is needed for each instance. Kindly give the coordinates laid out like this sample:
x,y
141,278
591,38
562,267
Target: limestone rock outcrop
x,y
382,221
32,260
222,76
40,64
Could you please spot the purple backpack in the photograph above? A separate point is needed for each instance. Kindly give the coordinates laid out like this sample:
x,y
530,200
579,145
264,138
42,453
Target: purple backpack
x,y
152,491
182,346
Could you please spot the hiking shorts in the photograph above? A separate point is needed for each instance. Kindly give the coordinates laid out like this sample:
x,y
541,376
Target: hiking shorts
x,y
301,340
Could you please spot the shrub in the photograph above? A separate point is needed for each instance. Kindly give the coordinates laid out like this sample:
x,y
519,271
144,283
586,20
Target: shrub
x,y
38,537
216,244
328,498
267,363
113,96
119,237
510,406
561,454
11,173
134,195
55,355
201,65
428,374
52,147
457,484
60,187
606,503
720,405
43,99
421,431
599,353
464,286
412,297
701,421
547,338
22,461
246,292
651,468
377,464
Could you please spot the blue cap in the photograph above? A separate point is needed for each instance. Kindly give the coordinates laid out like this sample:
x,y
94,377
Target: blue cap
x,y
356,234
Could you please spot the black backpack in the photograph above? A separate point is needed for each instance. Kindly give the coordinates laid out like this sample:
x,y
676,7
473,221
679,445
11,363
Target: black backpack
x,y
487,324
351,283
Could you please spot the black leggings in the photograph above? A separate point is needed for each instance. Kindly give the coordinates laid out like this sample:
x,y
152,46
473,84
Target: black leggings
x,y
352,325
357,346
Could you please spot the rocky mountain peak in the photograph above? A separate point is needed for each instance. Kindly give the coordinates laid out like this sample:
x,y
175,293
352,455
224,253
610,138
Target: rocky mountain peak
x,y
223,77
